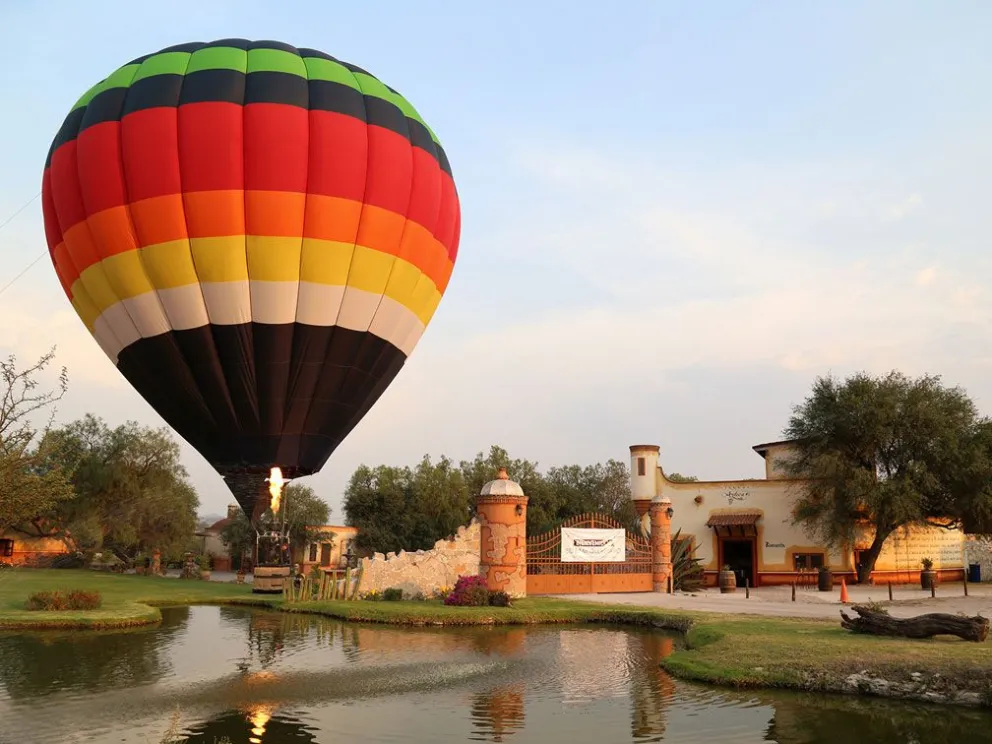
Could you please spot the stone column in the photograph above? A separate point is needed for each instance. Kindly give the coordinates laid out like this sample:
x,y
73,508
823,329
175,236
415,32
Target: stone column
x,y
501,508
661,544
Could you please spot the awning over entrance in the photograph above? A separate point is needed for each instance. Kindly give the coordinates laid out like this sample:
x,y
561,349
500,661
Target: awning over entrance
x,y
734,522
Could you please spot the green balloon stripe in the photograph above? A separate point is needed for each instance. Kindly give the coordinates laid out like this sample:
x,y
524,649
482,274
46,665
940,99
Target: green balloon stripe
x,y
253,60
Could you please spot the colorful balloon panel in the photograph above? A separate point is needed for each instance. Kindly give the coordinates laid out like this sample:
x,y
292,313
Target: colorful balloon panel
x,y
257,235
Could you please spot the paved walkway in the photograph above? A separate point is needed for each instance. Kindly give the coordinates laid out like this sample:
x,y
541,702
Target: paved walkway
x,y
777,601
227,577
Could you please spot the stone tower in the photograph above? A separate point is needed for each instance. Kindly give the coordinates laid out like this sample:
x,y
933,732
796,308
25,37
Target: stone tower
x,y
502,512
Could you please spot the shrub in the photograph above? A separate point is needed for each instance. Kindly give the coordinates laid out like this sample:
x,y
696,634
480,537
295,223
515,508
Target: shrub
x,y
469,591
372,596
74,599
499,598
69,560
393,594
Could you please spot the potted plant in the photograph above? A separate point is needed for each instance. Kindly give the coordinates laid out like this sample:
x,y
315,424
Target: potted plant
x,y
928,577
205,567
728,581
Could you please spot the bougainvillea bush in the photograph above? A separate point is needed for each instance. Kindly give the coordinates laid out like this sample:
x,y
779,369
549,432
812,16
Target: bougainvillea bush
x,y
469,591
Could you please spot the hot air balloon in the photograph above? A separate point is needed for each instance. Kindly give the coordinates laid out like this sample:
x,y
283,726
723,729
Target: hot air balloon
x,y
257,235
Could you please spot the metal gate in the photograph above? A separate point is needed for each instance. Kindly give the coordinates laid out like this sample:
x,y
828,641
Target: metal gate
x,y
547,574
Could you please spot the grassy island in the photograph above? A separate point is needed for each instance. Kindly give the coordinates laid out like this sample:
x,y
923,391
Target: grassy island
x,y
127,600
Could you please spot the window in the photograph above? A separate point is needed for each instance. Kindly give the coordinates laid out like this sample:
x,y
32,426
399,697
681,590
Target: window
x,y
808,561
640,466
6,548
313,552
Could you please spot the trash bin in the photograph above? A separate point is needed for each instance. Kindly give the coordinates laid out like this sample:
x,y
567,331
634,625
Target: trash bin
x,y
825,580
974,573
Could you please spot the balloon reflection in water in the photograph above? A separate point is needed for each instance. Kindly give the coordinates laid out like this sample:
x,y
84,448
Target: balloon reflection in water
x,y
262,724
259,717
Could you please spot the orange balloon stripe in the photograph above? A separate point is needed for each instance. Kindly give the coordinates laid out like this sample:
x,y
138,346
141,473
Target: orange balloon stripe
x,y
209,214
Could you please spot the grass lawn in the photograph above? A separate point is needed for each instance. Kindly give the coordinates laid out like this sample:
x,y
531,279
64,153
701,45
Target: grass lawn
x,y
127,600
819,654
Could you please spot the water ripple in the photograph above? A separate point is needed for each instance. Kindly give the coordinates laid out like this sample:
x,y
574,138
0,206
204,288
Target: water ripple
x,y
265,677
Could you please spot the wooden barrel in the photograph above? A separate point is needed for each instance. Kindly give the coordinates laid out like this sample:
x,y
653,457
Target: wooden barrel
x,y
728,582
825,581
269,579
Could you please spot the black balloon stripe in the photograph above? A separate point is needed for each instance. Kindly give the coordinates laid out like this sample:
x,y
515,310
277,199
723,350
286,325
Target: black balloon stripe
x,y
233,86
357,367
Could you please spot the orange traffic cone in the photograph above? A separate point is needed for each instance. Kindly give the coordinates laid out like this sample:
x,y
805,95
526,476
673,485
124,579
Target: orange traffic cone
x,y
843,591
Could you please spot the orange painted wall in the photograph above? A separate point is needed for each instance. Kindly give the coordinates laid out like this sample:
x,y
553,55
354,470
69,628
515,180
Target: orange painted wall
x,y
31,550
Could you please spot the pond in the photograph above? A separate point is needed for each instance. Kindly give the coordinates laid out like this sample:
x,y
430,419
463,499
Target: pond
x,y
266,677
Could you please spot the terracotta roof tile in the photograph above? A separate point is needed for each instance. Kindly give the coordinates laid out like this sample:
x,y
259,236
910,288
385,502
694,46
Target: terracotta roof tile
x,y
733,517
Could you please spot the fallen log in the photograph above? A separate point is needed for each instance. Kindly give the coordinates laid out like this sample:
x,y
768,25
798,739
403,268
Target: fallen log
x,y
922,626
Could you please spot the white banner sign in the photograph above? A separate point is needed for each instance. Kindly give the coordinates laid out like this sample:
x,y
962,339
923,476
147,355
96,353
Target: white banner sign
x,y
593,545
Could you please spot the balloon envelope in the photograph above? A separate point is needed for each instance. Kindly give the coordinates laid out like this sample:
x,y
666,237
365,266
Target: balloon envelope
x,y
257,235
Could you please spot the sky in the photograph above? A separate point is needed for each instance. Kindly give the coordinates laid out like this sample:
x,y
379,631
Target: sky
x,y
674,216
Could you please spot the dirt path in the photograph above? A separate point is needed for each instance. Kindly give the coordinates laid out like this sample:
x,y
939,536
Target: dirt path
x,y
777,601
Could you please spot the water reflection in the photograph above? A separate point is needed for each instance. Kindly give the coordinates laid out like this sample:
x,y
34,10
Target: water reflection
x,y
812,719
257,726
264,677
651,688
40,664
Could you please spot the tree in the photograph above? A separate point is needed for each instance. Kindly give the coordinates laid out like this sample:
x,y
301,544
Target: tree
x,y
132,492
543,505
33,481
679,478
239,536
306,514
399,508
885,453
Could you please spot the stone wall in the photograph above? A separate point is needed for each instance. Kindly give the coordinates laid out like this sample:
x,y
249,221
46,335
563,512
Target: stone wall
x,y
425,571
978,550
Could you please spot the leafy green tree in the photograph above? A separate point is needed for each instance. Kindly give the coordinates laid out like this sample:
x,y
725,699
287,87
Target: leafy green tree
x,y
33,478
443,502
599,488
379,502
132,491
398,508
542,505
885,453
306,515
239,536
679,478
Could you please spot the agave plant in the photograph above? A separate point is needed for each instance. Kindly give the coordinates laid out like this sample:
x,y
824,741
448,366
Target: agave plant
x,y
687,571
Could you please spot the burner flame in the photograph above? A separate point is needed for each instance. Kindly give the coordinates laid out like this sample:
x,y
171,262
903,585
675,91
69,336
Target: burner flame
x,y
276,483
